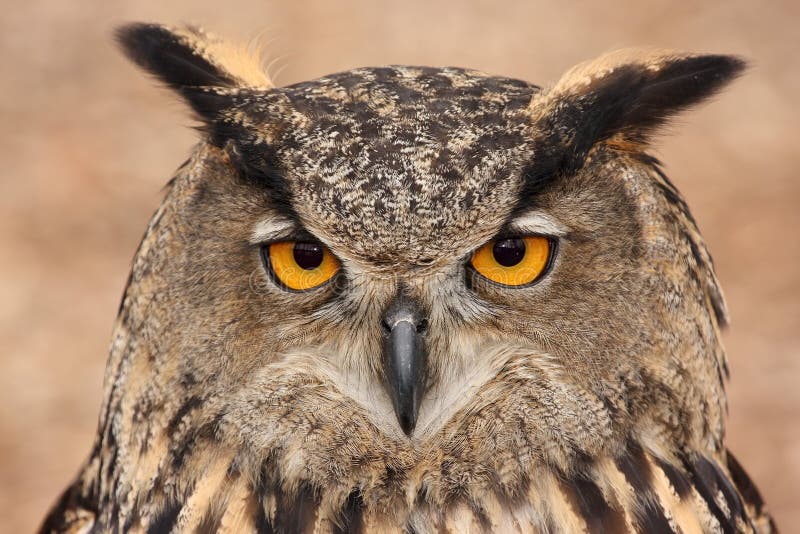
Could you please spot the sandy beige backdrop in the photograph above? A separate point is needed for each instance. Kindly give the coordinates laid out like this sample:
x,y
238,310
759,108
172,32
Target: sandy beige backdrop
x,y
86,143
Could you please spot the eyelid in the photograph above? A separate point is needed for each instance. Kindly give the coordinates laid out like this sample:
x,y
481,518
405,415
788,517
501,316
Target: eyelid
x,y
537,223
272,229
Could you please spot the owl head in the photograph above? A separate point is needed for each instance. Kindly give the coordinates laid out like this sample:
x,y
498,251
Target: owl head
x,y
387,264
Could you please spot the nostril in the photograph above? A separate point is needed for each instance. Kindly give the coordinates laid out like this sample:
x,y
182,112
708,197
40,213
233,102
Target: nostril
x,y
386,327
422,326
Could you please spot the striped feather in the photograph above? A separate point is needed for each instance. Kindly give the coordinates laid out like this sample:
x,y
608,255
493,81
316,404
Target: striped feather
x,y
634,491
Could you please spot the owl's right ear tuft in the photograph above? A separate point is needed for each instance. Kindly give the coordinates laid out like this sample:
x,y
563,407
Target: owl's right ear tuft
x,y
204,70
625,97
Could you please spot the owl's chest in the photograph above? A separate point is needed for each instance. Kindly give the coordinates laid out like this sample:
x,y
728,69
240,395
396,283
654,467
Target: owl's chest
x,y
635,492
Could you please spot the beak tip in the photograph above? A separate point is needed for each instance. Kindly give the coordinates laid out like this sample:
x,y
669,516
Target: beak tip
x,y
407,423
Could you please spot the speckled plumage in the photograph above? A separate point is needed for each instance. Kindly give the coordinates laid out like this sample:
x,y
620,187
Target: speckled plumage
x,y
393,161
590,401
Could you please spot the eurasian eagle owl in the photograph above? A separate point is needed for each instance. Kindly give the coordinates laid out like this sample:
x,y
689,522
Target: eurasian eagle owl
x,y
414,299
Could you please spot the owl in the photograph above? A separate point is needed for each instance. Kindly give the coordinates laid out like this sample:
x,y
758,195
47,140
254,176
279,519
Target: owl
x,y
412,299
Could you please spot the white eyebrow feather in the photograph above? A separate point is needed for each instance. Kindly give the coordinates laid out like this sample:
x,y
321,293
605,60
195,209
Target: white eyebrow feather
x,y
537,222
270,228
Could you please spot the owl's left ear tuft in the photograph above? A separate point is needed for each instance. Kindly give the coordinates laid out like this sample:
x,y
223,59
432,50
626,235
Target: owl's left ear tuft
x,y
203,69
627,95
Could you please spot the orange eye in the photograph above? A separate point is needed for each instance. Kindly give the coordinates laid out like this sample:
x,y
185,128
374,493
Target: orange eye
x,y
515,261
300,265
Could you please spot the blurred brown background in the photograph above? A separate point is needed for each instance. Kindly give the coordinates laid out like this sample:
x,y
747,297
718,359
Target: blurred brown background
x,y
86,143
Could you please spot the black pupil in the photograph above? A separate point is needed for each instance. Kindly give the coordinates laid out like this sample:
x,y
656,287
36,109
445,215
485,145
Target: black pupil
x,y
308,255
509,252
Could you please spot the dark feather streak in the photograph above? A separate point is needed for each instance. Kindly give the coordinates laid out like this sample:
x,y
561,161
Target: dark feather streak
x,y
351,515
638,473
164,521
296,512
587,499
704,481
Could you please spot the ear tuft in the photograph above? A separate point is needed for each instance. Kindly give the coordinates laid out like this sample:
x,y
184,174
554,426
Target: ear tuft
x,y
628,94
203,69
170,56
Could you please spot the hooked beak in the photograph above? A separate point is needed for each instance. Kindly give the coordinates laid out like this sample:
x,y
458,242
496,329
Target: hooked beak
x,y
405,361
